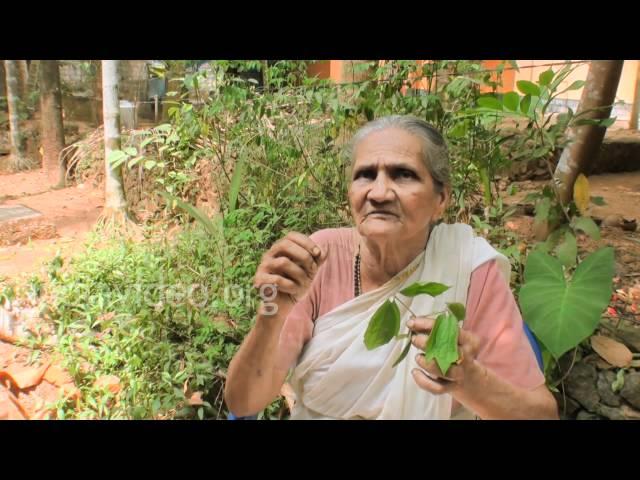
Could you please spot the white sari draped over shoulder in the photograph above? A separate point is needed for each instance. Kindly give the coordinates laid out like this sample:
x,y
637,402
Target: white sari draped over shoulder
x,y
336,377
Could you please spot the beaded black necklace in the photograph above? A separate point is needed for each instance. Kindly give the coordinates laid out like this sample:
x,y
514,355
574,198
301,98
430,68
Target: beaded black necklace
x,y
357,288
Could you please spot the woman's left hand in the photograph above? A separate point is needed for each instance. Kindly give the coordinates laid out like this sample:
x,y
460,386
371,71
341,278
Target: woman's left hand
x,y
460,376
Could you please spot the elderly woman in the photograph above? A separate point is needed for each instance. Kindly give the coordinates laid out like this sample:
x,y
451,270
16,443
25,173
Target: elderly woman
x,y
328,285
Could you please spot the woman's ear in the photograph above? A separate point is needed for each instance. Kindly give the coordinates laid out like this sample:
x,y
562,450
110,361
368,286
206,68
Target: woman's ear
x,y
445,196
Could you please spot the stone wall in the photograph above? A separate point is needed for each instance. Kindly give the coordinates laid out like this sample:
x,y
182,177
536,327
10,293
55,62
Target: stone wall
x,y
594,392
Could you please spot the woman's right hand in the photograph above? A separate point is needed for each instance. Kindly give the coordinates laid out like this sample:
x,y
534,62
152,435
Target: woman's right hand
x,y
291,265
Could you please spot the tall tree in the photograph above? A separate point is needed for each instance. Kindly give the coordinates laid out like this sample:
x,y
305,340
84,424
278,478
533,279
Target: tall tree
x,y
23,78
51,122
34,76
597,100
3,82
635,106
115,202
19,159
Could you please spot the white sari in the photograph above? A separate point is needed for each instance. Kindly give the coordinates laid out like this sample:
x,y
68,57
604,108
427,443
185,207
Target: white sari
x,y
336,377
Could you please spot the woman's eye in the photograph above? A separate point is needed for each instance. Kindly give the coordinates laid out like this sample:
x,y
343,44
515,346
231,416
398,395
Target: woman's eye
x,y
366,174
406,174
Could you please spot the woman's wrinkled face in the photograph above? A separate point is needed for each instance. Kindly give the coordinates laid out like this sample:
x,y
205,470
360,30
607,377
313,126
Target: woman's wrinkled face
x,y
392,194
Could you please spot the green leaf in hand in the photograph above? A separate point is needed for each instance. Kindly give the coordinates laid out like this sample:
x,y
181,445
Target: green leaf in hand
x,y
404,353
383,326
443,342
429,288
458,310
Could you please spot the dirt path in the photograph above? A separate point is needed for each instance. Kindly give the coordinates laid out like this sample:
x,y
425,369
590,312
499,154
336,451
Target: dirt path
x,y
31,381
620,191
73,211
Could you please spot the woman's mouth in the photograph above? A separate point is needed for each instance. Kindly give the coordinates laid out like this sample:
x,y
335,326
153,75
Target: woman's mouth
x,y
381,213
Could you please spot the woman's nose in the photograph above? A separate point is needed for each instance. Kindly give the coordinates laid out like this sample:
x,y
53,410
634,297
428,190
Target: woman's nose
x,y
381,190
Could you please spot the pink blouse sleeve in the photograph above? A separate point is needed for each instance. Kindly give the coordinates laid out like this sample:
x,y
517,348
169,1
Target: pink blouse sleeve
x,y
298,326
493,316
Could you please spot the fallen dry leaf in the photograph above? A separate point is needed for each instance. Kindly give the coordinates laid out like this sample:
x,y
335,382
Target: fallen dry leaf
x,y
56,375
226,321
23,376
111,382
522,247
86,367
8,338
612,351
105,317
41,414
630,413
622,295
196,399
69,390
10,408
511,225
594,359
602,365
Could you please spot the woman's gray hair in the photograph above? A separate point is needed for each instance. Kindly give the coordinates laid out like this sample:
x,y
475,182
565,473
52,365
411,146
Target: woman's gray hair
x,y
434,147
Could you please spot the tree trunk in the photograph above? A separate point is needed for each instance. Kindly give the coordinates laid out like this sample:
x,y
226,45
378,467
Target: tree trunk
x,y
635,106
114,193
3,81
585,140
97,87
23,79
265,75
34,76
51,122
18,151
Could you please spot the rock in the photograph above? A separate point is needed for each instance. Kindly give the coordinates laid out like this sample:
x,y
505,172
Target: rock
x,y
581,386
20,231
629,225
628,334
631,390
584,415
600,364
615,220
611,413
627,258
567,406
605,379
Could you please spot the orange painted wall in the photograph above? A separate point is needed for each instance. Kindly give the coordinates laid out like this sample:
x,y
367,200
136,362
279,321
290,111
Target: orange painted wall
x,y
508,76
320,69
528,70
332,69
